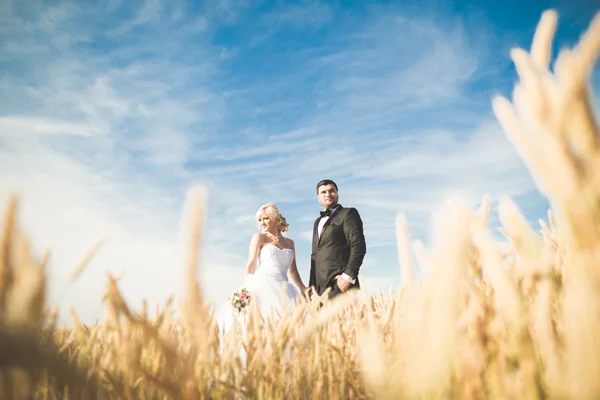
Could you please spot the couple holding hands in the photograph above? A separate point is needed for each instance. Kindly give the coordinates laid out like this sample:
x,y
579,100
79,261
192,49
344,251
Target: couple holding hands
x,y
338,250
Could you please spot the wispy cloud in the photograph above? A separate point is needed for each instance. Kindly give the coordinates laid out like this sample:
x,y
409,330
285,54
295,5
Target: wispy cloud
x,y
109,112
97,139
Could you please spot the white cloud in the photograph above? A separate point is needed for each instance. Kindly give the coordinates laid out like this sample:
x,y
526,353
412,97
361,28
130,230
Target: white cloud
x,y
19,126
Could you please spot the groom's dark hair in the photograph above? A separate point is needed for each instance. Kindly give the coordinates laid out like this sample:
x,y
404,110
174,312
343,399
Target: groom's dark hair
x,y
326,182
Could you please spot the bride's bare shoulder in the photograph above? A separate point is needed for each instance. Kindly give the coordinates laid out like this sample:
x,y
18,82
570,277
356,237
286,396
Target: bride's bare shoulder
x,y
259,238
289,242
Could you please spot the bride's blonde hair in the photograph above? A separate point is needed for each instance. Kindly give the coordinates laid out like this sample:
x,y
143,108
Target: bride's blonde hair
x,y
273,212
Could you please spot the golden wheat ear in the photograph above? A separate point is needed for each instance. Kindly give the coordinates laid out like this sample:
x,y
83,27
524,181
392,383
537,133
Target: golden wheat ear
x,y
553,126
6,246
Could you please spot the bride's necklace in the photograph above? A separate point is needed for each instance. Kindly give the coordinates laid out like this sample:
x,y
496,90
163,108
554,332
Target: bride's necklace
x,y
273,236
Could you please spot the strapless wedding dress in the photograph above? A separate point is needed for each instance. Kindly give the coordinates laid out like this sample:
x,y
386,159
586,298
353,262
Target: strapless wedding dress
x,y
268,287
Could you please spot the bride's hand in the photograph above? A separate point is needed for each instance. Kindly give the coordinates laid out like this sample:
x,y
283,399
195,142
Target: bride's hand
x,y
305,291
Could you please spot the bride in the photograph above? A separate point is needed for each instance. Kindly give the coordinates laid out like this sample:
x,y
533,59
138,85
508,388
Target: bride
x,y
265,277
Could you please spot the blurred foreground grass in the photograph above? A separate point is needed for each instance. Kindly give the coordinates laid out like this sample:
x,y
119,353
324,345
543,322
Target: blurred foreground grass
x,y
487,321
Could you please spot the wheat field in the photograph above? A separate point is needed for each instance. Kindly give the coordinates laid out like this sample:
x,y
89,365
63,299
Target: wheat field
x,y
487,320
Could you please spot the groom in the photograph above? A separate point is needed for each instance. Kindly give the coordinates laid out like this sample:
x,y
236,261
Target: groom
x,y
338,246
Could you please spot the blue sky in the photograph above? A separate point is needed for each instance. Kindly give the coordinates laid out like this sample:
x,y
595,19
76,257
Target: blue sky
x,y
110,110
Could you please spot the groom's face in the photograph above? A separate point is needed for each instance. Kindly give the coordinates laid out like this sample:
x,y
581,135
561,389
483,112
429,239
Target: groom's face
x,y
328,195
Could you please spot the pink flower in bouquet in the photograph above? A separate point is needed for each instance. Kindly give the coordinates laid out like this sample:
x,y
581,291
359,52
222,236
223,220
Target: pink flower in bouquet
x,y
240,300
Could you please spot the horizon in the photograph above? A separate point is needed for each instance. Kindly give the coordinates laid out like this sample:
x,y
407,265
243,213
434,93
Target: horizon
x,y
110,113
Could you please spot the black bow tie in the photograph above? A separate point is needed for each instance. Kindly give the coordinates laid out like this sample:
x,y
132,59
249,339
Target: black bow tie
x,y
326,213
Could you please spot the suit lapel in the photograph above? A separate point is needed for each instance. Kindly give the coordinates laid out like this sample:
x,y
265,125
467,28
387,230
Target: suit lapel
x,y
315,235
324,231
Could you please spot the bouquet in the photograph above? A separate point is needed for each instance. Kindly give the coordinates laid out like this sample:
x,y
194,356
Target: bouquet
x,y
240,300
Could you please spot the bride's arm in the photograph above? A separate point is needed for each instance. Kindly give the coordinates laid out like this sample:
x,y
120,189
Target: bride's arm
x,y
253,256
295,274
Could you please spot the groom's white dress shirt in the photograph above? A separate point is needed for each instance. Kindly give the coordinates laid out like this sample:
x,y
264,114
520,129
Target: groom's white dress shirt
x,y
320,229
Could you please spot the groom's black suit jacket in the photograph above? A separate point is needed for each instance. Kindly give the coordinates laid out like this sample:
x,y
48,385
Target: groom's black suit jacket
x,y
341,249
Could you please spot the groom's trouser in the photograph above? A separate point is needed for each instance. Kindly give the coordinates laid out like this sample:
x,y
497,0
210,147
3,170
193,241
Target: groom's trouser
x,y
335,290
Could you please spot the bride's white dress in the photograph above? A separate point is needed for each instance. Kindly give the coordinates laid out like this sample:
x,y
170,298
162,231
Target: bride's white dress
x,y
267,286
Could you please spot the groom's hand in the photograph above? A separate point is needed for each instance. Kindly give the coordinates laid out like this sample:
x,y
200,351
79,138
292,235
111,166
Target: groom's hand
x,y
342,283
